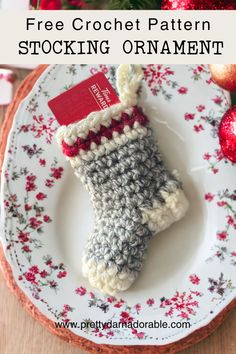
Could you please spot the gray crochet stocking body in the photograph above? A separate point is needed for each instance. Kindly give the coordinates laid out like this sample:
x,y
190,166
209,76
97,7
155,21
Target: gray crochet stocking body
x,y
133,193
123,184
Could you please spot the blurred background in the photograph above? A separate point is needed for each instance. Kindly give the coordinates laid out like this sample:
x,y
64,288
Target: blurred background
x,y
81,4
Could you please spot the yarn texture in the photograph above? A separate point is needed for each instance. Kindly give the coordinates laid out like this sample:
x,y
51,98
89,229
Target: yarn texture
x,y
134,195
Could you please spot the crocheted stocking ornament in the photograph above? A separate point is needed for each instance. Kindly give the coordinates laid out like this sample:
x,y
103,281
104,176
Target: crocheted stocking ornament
x,y
133,194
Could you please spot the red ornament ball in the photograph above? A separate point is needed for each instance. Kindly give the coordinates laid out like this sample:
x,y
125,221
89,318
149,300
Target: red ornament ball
x,y
227,134
198,5
47,4
224,75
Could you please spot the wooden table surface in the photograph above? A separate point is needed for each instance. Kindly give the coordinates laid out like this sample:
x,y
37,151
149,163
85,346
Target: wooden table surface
x,y
21,334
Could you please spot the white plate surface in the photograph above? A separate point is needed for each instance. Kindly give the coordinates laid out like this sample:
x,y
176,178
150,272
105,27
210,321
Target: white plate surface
x,y
46,214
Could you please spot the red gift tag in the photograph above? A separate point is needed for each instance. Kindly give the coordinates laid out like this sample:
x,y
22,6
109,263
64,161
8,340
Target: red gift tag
x,y
93,94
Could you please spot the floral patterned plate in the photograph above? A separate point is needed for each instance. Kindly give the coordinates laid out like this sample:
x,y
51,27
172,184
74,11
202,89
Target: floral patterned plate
x,y
46,216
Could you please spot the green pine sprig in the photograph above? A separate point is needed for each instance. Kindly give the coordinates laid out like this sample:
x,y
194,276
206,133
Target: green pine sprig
x,y
132,4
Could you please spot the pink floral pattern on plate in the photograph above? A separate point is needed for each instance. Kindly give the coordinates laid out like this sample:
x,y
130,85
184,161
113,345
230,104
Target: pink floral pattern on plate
x,y
161,80
200,116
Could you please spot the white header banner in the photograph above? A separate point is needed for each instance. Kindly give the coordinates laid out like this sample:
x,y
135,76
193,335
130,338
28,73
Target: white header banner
x,y
90,37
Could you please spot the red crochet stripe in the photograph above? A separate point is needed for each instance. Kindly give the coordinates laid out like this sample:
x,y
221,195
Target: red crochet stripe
x,y
115,126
